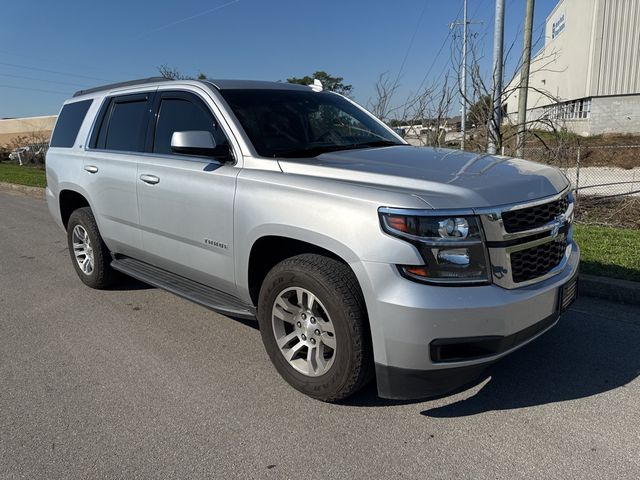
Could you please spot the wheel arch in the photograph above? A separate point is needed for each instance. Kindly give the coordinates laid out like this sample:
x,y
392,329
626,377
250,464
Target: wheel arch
x,y
269,250
70,200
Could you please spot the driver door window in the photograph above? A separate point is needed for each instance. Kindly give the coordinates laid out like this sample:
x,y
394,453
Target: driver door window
x,y
180,113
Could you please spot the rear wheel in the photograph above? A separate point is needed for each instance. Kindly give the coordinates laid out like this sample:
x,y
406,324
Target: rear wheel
x,y
313,325
90,256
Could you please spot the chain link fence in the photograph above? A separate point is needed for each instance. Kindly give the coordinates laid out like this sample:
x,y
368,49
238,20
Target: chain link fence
x,y
605,180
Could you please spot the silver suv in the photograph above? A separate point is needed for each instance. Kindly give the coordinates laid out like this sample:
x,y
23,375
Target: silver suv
x,y
359,254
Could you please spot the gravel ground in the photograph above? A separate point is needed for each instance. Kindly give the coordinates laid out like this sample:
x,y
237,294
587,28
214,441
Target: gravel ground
x,y
604,181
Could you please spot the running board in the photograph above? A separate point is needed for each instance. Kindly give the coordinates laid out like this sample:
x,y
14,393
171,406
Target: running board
x,y
196,292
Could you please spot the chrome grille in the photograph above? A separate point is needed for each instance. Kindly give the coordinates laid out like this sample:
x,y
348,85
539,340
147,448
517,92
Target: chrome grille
x,y
537,261
530,242
534,217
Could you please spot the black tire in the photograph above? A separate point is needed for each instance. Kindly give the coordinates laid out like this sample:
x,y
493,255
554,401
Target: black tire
x,y
102,276
335,286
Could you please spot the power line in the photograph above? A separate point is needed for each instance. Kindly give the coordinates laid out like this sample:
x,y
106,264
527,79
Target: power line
x,y
444,43
435,59
413,37
37,69
191,17
56,61
24,77
34,89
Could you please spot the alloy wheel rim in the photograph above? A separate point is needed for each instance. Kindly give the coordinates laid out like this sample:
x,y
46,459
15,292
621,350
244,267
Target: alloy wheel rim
x,y
82,249
304,332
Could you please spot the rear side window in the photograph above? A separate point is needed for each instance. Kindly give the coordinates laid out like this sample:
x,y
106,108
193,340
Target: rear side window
x,y
68,124
126,127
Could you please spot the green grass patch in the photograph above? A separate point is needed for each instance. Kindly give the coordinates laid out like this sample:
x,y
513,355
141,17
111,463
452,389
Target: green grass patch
x,y
609,251
22,175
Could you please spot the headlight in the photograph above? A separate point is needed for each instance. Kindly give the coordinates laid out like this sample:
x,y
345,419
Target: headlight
x,y
451,246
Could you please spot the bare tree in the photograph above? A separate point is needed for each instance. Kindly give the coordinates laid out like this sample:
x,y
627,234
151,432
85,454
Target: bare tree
x,y
425,112
173,73
480,132
380,105
32,147
431,109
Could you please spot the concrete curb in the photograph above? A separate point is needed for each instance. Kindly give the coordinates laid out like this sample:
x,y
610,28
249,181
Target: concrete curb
x,y
37,192
612,289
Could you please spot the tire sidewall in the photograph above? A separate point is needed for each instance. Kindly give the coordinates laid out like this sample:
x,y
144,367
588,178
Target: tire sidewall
x,y
84,218
339,372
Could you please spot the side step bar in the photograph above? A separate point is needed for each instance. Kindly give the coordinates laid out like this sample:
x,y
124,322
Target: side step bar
x,y
194,291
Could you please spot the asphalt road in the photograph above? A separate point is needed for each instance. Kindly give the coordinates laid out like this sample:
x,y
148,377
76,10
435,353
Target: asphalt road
x,y
137,383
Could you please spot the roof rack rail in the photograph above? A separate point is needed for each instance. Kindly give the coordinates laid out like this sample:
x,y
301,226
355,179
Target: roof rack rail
x,y
122,84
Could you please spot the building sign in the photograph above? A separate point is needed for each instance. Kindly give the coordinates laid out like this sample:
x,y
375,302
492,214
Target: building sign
x,y
558,25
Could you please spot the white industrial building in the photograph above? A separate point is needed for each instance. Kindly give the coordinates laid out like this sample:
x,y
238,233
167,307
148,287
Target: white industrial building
x,y
587,75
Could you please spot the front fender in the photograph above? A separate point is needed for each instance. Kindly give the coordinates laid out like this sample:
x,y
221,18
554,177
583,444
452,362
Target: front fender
x,y
313,211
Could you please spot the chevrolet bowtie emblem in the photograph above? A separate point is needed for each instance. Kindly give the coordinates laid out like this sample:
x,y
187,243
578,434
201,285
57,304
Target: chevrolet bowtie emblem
x,y
560,220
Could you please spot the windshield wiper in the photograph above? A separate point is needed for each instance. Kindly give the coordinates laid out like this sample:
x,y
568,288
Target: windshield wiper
x,y
316,150
375,143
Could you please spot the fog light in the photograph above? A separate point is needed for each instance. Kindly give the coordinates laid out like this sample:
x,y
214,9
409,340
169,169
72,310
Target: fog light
x,y
457,256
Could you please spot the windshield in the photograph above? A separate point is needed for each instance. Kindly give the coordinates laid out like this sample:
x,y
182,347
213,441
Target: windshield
x,y
297,123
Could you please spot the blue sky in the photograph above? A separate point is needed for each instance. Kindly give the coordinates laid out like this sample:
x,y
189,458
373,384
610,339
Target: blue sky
x,y
49,49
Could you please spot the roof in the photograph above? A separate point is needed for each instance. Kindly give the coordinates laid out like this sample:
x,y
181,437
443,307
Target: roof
x,y
223,84
219,84
122,84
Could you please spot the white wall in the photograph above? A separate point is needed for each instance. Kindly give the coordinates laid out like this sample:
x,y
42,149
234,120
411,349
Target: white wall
x,y
562,69
596,55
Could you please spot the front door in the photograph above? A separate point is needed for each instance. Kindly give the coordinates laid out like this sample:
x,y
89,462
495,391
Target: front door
x,y
185,202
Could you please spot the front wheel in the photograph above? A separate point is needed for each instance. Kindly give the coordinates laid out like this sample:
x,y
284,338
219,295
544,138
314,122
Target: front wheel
x,y
314,326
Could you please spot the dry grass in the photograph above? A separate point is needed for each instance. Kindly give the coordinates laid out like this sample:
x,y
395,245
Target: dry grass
x,y
622,212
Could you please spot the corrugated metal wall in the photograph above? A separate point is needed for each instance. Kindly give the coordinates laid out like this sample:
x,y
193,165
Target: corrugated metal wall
x,y
619,62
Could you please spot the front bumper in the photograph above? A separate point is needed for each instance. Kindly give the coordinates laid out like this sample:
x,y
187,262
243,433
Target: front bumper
x,y
473,326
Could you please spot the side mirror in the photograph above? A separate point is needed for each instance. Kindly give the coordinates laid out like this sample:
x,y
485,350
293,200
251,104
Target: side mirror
x,y
195,142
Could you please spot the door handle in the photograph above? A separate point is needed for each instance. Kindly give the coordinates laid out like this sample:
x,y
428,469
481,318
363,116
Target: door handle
x,y
150,179
91,168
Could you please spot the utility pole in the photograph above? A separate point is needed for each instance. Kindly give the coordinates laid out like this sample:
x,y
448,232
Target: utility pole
x,y
463,73
498,47
524,78
463,82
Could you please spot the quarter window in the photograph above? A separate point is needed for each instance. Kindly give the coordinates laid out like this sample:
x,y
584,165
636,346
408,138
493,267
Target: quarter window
x,y
68,124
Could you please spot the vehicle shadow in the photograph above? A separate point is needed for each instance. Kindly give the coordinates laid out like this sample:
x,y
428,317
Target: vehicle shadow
x,y
247,322
126,283
580,357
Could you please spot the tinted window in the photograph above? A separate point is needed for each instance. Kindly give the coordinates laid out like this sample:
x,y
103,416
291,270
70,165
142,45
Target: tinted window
x,y
126,126
68,124
297,123
181,115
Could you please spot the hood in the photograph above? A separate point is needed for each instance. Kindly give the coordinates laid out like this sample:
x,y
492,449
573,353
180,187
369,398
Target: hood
x,y
440,177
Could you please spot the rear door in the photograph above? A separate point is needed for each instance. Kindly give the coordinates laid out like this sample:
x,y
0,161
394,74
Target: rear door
x,y
185,201
110,168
